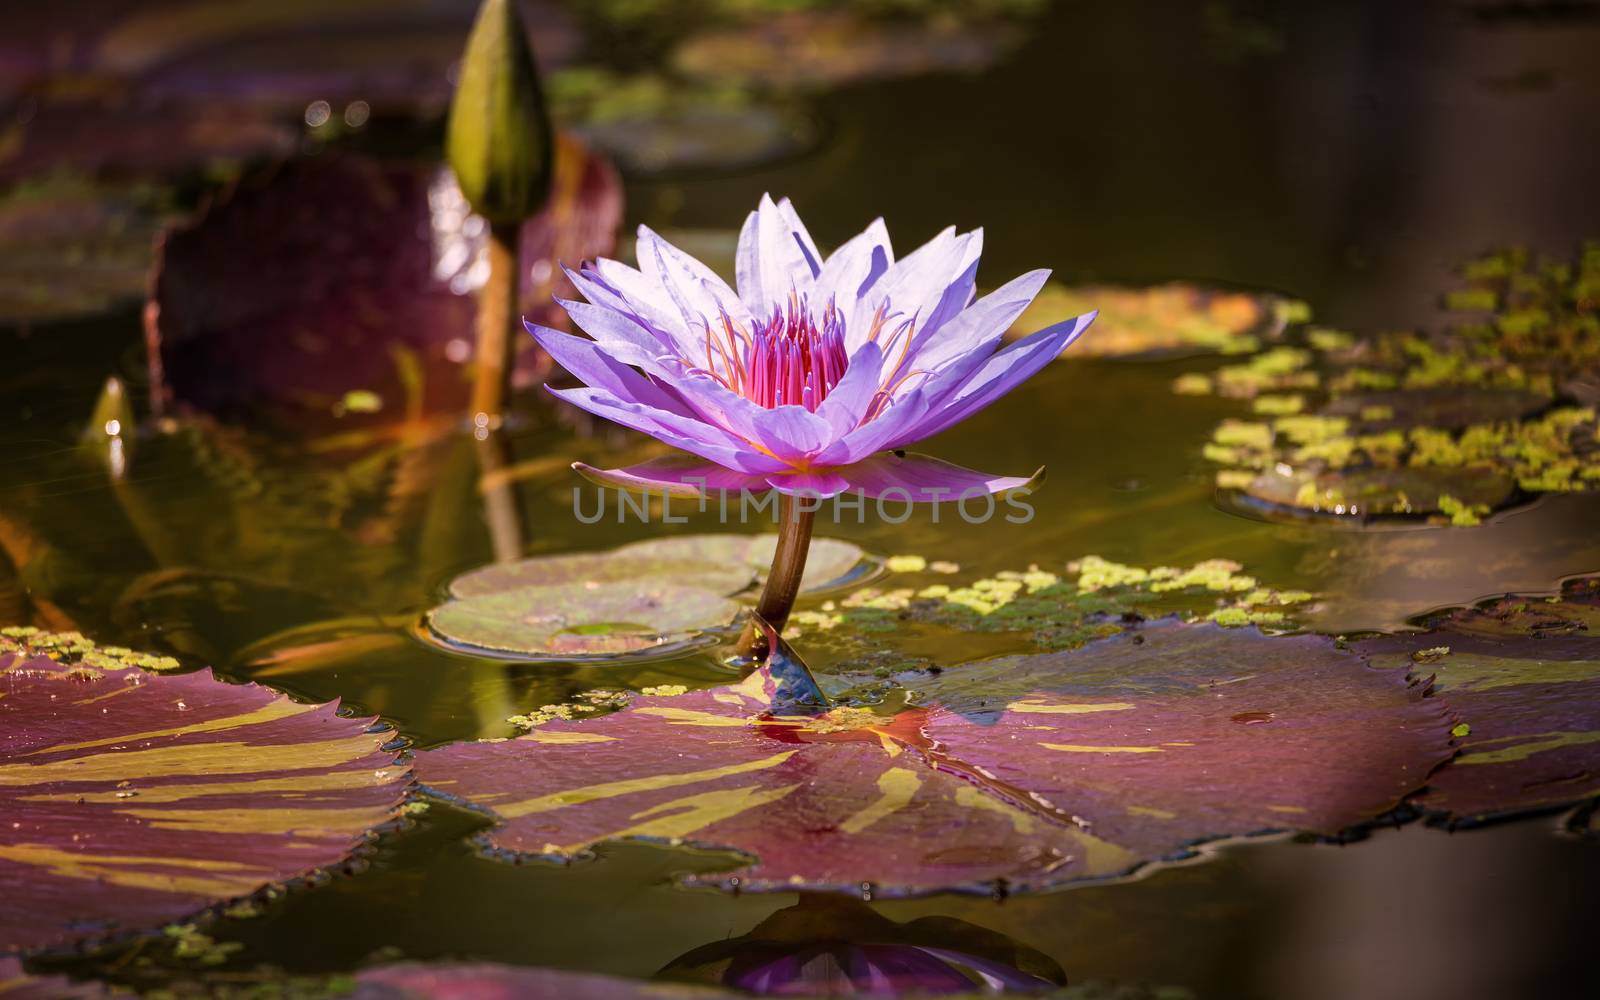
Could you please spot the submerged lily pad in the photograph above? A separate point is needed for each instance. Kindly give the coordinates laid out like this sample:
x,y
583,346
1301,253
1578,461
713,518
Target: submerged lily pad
x,y
1522,675
1164,319
69,248
829,563
1028,772
581,619
359,275
134,799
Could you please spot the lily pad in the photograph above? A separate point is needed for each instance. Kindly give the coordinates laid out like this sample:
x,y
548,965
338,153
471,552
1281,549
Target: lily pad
x,y
830,48
359,275
586,568
1450,409
1522,676
1175,318
135,799
829,563
72,248
1364,494
448,981
1025,772
581,619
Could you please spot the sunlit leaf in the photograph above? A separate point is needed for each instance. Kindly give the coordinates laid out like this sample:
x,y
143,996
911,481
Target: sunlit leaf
x,y
1026,772
134,799
829,562
1165,319
1523,675
723,577
579,618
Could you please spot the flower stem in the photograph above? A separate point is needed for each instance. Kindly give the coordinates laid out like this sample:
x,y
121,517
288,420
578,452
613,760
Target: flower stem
x,y
497,319
783,579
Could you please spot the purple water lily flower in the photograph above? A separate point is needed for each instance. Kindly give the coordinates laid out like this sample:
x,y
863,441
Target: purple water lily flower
x,y
812,376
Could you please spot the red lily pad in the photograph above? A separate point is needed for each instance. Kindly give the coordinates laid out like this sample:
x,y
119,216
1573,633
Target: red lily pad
x,y
339,275
72,248
1522,675
491,980
1027,772
133,799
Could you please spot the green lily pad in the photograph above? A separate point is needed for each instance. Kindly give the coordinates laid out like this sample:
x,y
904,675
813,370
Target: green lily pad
x,y
581,619
1361,494
585,568
829,563
1175,318
1451,409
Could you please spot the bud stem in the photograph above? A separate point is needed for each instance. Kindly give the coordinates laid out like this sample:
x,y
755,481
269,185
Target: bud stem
x,y
497,320
783,579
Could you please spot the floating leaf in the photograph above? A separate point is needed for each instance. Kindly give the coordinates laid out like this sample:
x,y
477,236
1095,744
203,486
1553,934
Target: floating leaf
x,y
1523,675
829,48
829,562
487,979
584,568
581,619
1164,319
358,275
134,799
1033,771
1363,494
72,248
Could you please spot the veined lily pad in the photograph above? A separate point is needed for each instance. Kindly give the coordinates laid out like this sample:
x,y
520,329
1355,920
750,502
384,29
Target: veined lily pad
x,y
359,307
1164,319
487,979
579,619
1522,676
1030,772
585,568
134,799
72,248
828,564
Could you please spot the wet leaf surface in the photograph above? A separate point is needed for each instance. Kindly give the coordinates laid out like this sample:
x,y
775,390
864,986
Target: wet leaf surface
x,y
1522,676
134,799
358,309
599,568
1029,772
72,248
581,618
1175,318
829,562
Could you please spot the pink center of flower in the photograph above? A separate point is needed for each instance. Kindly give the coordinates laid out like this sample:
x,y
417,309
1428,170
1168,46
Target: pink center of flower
x,y
793,358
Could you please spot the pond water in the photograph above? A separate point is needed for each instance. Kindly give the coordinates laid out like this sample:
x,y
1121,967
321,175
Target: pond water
x,y
1351,156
